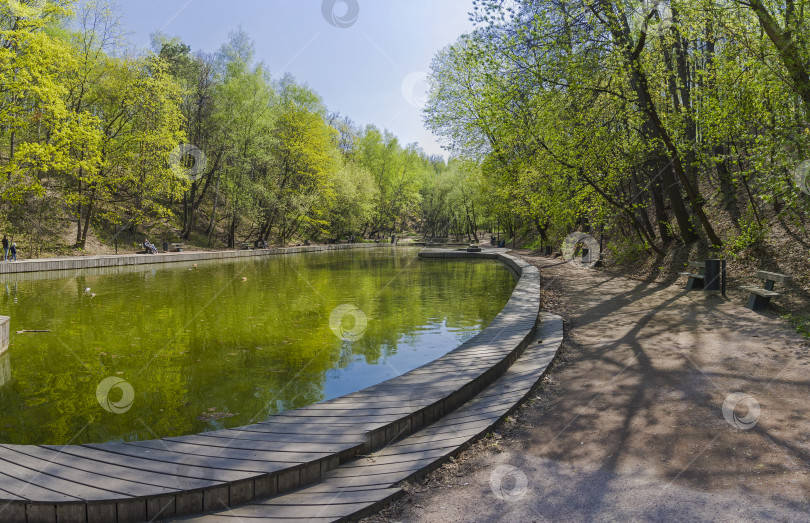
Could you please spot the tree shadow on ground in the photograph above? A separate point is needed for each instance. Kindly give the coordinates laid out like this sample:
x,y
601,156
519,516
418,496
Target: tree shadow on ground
x,y
650,368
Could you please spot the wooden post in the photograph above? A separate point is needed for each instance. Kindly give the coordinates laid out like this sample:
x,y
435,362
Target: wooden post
x,y
5,322
5,365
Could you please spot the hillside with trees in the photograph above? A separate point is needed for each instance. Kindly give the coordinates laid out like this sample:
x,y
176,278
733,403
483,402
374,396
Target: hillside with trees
x,y
666,128
103,143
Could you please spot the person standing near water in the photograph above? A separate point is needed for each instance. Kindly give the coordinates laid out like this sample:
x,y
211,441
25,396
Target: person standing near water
x,y
5,247
13,252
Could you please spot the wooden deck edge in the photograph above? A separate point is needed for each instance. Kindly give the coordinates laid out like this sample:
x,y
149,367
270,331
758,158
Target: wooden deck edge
x,y
473,439
552,339
374,507
427,469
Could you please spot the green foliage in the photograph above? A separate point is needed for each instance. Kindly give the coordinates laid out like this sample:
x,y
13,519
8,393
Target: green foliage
x,y
801,322
752,233
628,115
627,250
654,122
88,129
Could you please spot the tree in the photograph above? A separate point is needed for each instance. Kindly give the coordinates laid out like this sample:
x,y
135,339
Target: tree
x,y
790,39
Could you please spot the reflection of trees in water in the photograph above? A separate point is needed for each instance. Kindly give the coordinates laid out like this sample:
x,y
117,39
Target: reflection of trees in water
x,y
10,295
192,340
346,354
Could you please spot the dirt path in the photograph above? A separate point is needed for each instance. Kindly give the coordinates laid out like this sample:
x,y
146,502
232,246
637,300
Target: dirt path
x,y
631,424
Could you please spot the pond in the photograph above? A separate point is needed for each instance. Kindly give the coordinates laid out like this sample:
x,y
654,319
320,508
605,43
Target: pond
x,y
154,351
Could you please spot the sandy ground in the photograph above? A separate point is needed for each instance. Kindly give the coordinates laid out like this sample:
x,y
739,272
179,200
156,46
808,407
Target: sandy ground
x,y
663,405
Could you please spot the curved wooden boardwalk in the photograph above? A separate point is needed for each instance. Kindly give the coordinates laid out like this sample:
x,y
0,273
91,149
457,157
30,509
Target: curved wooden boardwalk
x,y
145,480
364,485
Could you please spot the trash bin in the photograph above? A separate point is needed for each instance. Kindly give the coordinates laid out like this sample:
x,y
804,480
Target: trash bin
x,y
712,275
586,256
165,246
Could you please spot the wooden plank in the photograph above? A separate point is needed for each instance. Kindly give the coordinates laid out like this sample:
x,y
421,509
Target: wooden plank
x,y
201,450
363,401
427,443
192,460
304,429
330,497
773,276
376,482
291,512
378,459
8,497
474,426
229,517
41,513
81,471
327,486
16,489
321,410
374,469
225,517
759,291
166,482
381,406
347,439
201,476
265,445
485,413
12,512
33,485
361,420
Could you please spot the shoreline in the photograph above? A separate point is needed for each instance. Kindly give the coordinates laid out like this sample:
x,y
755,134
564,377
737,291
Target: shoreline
x,y
123,260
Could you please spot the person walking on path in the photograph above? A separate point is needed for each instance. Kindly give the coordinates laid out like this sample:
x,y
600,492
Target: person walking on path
x,y
13,252
5,247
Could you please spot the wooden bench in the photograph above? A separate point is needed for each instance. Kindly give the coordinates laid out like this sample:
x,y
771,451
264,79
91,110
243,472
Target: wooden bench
x,y
760,297
176,247
696,279
245,246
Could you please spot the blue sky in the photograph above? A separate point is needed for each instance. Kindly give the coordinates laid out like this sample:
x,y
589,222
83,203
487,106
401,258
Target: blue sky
x,y
371,70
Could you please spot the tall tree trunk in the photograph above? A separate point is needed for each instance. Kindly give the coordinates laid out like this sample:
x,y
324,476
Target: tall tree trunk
x,y
542,229
673,191
641,206
88,215
638,80
210,230
661,218
79,212
232,232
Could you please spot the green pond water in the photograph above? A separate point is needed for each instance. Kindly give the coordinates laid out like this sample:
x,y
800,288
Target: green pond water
x,y
168,350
